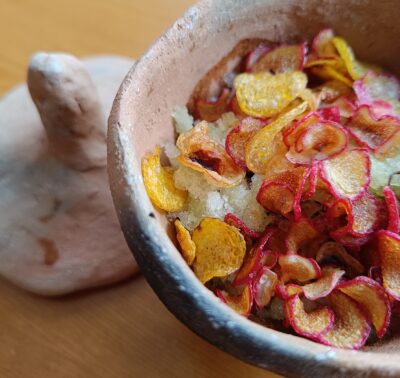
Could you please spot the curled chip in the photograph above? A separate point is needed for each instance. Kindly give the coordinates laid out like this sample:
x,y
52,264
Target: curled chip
x,y
289,290
264,287
299,268
393,210
220,249
238,137
332,252
325,285
265,95
372,298
319,141
354,68
240,303
389,252
346,107
255,55
253,260
380,135
278,162
291,134
351,328
300,234
311,185
332,90
235,108
279,193
282,59
348,174
159,184
330,113
312,324
247,232
329,73
188,248
322,45
202,154
262,147
211,111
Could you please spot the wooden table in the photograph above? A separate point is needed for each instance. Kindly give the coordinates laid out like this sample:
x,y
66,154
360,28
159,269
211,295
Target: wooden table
x,y
124,330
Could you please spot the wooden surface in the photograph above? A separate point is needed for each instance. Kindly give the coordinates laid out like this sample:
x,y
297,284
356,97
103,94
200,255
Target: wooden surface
x,y
121,331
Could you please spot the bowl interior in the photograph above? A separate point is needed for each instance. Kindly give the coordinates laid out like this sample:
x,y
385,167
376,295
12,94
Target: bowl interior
x,y
141,119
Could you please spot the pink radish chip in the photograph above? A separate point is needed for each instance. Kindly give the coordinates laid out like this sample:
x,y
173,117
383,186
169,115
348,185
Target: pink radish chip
x,y
325,285
298,268
264,287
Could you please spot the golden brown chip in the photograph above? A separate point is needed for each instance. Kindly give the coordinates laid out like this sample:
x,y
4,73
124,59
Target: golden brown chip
x,y
188,248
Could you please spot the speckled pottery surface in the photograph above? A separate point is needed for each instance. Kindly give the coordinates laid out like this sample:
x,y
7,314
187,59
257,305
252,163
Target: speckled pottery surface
x,y
141,118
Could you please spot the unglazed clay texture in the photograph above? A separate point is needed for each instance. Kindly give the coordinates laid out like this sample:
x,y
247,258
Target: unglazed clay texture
x,y
141,118
58,229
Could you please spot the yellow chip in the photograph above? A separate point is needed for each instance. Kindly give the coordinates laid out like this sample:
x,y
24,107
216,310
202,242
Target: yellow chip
x,y
329,73
220,249
159,184
187,246
264,95
355,69
262,146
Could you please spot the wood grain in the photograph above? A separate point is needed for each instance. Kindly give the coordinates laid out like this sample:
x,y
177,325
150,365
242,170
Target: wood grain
x,y
124,330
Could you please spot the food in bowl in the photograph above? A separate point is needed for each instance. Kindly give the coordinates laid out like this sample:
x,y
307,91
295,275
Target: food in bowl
x,y
283,187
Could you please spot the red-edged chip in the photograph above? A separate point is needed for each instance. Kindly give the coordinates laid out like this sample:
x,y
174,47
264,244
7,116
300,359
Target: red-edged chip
x,y
300,234
238,137
319,141
346,107
311,184
330,113
347,174
325,285
378,134
393,210
322,44
211,111
289,290
242,303
282,59
372,298
254,56
233,220
389,252
253,260
351,328
264,287
290,135
312,325
298,268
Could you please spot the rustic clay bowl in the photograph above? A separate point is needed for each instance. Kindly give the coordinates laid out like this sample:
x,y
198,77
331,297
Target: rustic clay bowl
x,y
163,78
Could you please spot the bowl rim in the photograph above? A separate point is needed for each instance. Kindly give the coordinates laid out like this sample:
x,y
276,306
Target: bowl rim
x,y
176,285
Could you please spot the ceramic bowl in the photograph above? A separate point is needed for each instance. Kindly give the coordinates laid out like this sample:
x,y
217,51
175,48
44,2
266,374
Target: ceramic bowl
x,y
141,118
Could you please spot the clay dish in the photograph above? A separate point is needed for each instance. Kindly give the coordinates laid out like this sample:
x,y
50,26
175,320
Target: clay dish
x,y
141,118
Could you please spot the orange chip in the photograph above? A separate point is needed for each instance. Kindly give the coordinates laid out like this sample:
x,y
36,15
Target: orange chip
x,y
220,249
354,68
288,290
300,234
348,174
372,298
330,61
264,287
291,134
240,303
351,328
312,324
262,147
159,184
389,252
188,248
299,268
325,285
265,95
212,111
202,154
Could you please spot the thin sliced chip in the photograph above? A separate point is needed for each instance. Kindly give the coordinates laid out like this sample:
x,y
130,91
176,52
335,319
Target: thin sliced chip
x,y
393,210
289,290
332,90
261,148
322,44
265,95
346,107
329,73
282,59
278,163
239,136
253,260
159,184
389,252
325,285
212,111
312,325
354,68
264,287
348,174
202,154
187,246
376,134
351,328
220,249
311,184
300,234
299,268
330,113
255,55
333,61
247,232
372,298
240,303
291,134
